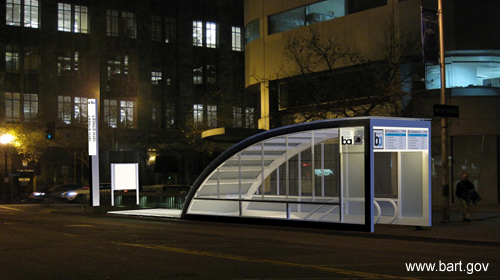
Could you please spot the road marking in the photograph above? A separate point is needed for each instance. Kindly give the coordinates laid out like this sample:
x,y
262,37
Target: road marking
x,y
240,258
10,208
79,225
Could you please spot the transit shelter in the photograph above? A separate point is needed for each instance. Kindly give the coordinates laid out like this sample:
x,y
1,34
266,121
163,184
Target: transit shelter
x,y
347,173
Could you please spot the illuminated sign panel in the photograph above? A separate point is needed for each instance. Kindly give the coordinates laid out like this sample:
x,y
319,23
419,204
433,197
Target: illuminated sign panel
x,y
92,125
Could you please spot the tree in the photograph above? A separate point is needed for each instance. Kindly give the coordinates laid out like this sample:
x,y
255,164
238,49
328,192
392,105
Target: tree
x,y
328,79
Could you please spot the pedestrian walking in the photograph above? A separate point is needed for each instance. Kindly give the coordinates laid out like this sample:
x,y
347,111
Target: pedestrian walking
x,y
466,192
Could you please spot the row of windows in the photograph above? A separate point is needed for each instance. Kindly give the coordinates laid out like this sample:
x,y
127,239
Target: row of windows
x,y
207,114
70,110
74,18
119,65
116,113
310,14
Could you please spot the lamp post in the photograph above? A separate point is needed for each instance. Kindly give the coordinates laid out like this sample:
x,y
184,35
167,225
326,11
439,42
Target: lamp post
x,y
4,140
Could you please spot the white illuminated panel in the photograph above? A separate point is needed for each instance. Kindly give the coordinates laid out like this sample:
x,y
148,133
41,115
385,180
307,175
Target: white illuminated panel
x,y
92,125
417,139
124,176
395,139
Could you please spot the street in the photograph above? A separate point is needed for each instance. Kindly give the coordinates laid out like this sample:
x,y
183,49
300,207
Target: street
x,y
38,243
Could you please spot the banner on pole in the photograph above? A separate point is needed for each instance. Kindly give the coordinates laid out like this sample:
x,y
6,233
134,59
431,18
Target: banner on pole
x,y
92,124
430,35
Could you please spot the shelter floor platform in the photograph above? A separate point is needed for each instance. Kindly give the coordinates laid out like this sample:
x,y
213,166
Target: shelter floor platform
x,y
158,212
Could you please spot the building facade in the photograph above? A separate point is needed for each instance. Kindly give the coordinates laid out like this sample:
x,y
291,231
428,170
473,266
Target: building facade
x,y
284,38
161,71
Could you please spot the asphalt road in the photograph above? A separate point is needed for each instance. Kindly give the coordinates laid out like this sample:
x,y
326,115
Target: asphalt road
x,y
39,244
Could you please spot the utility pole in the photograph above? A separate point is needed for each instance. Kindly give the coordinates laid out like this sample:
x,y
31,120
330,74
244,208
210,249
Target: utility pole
x,y
444,124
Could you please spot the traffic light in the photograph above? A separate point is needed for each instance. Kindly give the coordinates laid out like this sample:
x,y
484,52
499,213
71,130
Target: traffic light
x,y
50,131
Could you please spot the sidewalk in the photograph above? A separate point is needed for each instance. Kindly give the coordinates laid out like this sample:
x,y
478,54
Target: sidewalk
x,y
484,228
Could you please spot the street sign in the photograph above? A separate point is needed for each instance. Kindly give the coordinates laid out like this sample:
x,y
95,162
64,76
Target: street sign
x,y
445,111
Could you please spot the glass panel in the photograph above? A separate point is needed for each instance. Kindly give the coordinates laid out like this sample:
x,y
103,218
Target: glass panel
x,y
411,185
252,31
353,174
264,209
211,207
466,71
315,212
324,10
287,20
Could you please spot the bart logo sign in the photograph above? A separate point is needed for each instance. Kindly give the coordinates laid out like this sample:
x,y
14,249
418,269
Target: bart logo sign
x,y
355,140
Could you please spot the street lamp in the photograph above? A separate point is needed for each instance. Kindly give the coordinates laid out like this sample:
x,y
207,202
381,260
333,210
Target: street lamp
x,y
6,139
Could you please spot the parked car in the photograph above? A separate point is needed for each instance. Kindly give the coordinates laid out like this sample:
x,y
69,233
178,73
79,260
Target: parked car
x,y
53,193
77,195
38,195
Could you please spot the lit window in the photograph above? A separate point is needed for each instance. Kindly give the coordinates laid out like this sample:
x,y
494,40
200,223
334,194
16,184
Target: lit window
x,y
236,38
23,12
64,17
197,33
237,117
64,109
464,70
198,75
212,115
12,61
204,37
155,77
81,19
198,113
118,66
30,107
119,113
31,13
72,18
67,63
13,13
249,118
81,110
127,113
211,35
12,107
110,112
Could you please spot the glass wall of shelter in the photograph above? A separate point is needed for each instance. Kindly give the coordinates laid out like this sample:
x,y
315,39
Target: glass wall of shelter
x,y
358,171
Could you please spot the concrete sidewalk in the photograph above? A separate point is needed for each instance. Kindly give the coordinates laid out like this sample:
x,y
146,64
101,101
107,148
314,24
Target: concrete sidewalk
x,y
484,228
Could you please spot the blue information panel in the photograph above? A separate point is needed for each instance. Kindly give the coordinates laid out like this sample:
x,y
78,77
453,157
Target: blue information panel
x,y
395,139
417,139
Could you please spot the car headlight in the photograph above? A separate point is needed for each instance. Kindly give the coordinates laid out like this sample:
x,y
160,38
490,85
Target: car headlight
x,y
38,193
70,193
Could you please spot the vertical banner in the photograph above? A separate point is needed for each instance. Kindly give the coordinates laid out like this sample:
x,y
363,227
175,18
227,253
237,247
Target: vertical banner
x,y
93,151
430,35
92,123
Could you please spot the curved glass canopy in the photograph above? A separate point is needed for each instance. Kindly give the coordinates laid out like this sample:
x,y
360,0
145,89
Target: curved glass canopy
x,y
313,172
